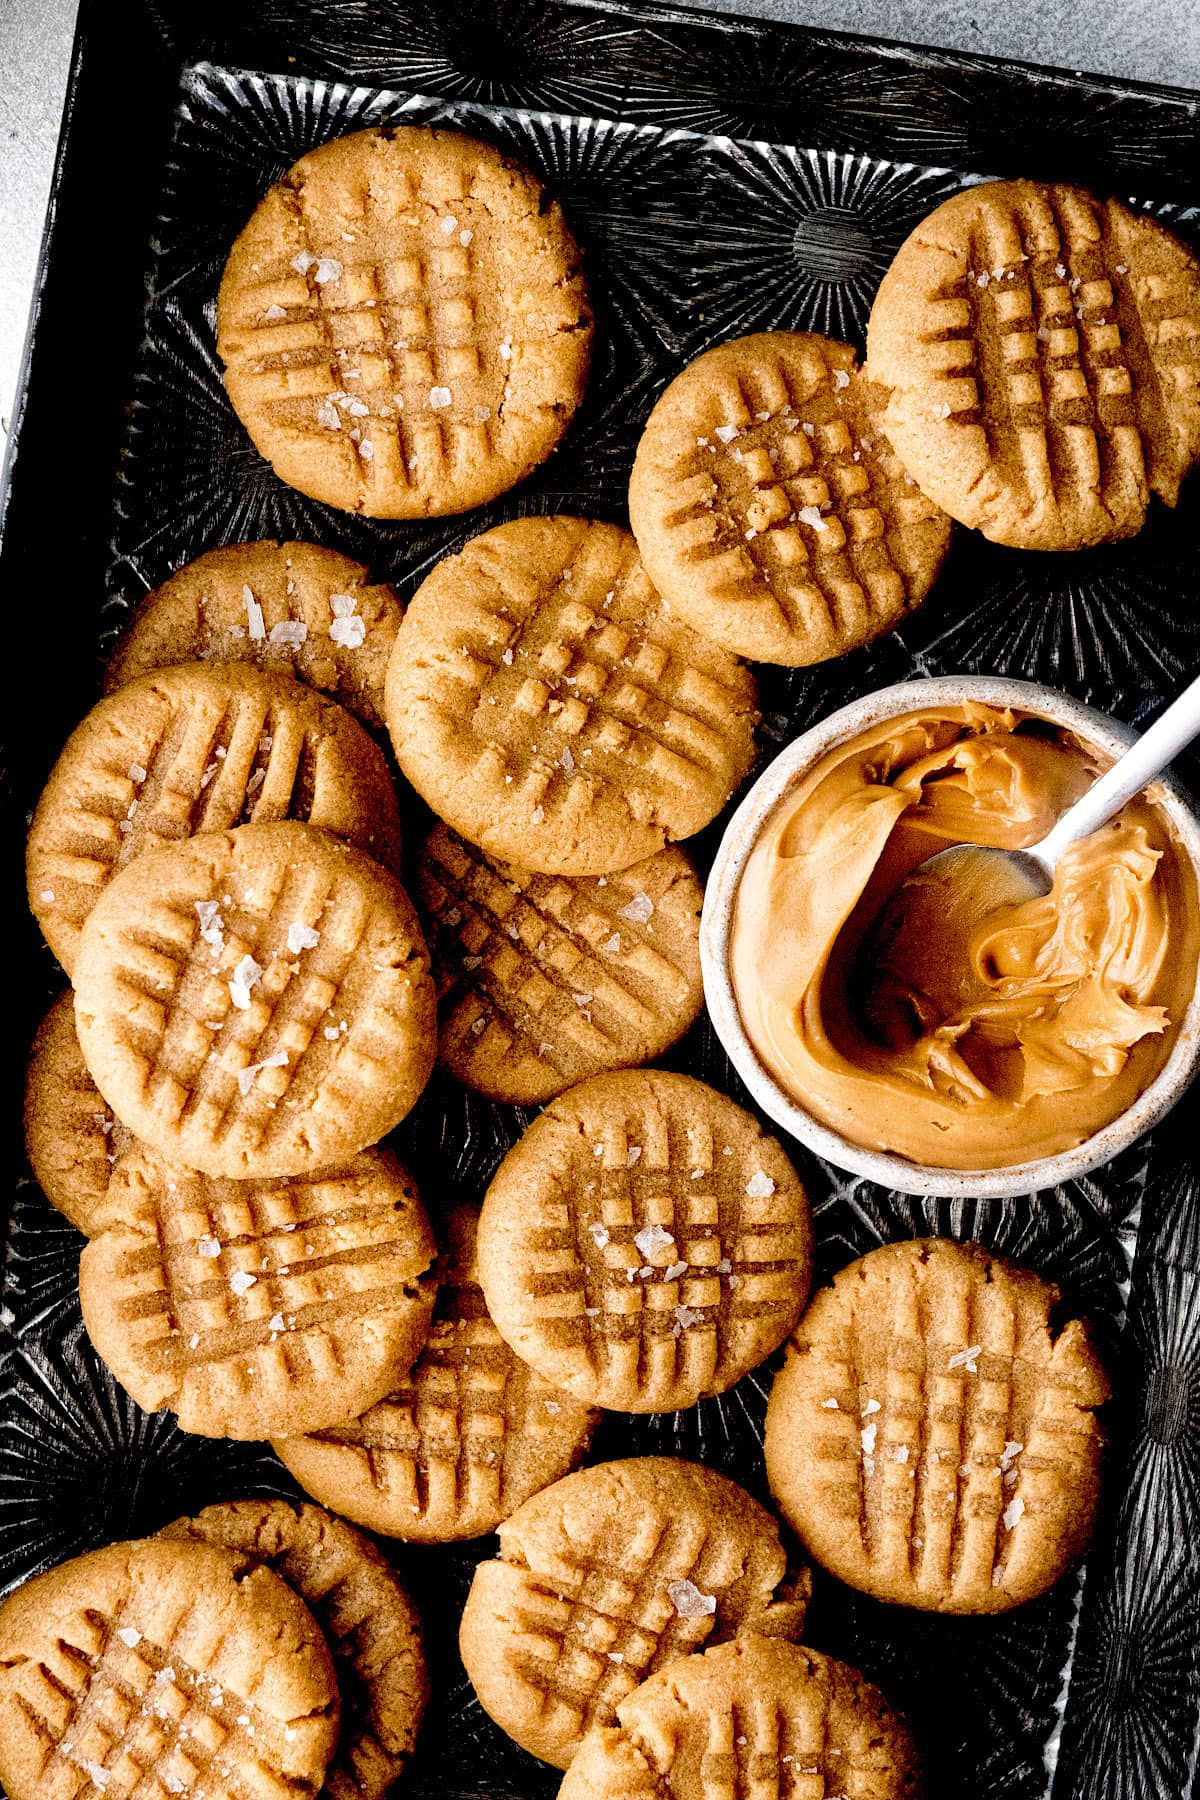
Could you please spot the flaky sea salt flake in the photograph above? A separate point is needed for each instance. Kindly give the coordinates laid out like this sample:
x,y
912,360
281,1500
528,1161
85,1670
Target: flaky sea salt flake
x,y
130,1636
254,615
328,269
241,1281
867,1434
966,1359
639,909
247,973
208,1246
653,1238
688,1601
727,433
288,631
600,1234
302,937
1013,1511
811,515
760,1186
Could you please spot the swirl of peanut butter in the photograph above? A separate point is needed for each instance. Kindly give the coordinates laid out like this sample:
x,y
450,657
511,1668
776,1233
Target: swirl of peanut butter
x,y
1006,1033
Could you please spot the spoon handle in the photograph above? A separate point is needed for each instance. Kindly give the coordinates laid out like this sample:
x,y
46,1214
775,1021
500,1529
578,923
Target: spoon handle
x,y
1169,734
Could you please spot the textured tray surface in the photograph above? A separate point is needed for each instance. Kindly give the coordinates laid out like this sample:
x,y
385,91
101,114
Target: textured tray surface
x,y
721,177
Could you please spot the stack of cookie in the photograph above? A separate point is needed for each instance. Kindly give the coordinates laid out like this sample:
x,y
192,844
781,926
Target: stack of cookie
x,y
259,1647
215,863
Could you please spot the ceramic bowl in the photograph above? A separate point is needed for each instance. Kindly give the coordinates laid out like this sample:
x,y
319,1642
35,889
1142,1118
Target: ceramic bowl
x,y
788,768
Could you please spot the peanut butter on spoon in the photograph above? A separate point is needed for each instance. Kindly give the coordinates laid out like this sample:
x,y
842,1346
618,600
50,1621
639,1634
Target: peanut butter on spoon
x,y
960,1021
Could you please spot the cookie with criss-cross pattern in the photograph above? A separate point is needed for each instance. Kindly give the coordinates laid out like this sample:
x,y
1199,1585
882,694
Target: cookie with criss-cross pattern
x,y
551,710
256,1002
71,1136
258,1308
1039,349
645,1244
404,323
163,1668
768,507
468,1436
611,1574
545,979
197,748
932,1435
294,608
370,1625
746,1718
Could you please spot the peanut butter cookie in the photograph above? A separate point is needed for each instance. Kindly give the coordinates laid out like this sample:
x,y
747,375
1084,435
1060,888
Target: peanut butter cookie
x,y
463,1441
769,509
163,1668
932,1435
71,1136
193,749
404,323
370,1625
545,979
607,1576
644,1243
255,1308
293,608
549,708
744,1714
256,1002
1040,349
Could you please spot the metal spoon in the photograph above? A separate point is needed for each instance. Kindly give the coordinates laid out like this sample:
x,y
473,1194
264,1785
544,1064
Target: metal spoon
x,y
946,896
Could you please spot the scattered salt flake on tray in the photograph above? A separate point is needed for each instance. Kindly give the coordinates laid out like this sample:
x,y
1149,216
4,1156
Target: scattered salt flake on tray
x,y
689,1602
965,1359
760,1186
246,1076
301,937
639,909
253,614
241,1281
1013,1511
288,631
867,1434
652,1238
130,1636
831,1405
244,977
208,1246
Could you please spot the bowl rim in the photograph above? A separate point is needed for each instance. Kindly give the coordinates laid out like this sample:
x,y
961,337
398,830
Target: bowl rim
x,y
742,833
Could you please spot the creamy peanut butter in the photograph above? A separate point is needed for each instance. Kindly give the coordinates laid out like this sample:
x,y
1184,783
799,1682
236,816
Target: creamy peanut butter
x,y
1009,1031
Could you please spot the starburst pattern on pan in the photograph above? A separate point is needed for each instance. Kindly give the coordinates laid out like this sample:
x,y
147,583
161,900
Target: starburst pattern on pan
x,y
1133,1713
799,239
81,1465
41,1264
1106,623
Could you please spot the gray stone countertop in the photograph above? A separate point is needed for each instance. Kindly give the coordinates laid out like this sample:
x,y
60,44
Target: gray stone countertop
x,y
1148,40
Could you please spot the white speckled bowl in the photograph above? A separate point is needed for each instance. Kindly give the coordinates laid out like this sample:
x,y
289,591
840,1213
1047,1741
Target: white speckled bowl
x,y
740,837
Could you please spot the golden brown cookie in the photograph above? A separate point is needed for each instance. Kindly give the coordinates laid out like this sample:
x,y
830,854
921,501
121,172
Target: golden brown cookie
x,y
369,1622
769,510
162,1668
544,979
547,706
193,749
932,1434
293,608
256,1002
252,1308
404,323
71,1136
1041,348
607,1576
471,1434
644,1243
752,1717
